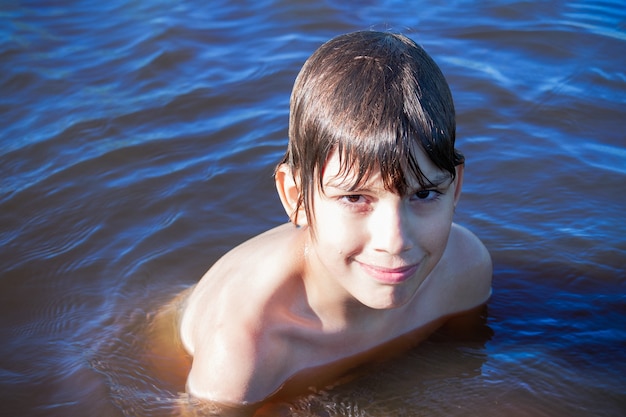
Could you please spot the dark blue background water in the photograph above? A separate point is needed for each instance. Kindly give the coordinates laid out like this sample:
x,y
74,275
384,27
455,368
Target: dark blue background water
x,y
137,143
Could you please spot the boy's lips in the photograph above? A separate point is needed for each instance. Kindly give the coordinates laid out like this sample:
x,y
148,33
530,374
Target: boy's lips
x,y
390,275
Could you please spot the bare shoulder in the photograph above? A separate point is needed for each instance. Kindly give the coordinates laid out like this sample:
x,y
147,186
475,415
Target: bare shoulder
x,y
470,269
225,322
467,245
244,274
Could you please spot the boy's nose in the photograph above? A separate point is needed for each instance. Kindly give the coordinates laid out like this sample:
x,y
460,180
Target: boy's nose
x,y
390,229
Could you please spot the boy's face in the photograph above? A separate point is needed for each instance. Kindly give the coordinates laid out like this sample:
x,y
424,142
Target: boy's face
x,y
375,245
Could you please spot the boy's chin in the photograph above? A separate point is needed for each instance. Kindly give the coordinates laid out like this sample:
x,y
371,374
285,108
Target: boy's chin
x,y
393,299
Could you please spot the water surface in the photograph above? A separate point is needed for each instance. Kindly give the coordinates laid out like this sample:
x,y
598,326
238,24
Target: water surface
x,y
137,145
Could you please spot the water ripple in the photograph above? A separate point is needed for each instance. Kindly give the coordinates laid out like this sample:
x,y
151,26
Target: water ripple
x,y
137,145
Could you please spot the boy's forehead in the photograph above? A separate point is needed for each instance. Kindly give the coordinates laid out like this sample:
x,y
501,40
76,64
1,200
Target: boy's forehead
x,y
336,174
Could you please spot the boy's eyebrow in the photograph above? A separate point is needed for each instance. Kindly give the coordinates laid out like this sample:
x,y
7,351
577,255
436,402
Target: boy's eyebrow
x,y
437,181
440,178
347,182
343,182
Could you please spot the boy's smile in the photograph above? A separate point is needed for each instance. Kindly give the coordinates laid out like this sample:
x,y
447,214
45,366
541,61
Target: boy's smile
x,y
390,275
374,245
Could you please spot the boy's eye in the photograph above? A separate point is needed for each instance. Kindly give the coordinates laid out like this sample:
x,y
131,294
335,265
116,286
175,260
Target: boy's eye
x,y
427,195
355,198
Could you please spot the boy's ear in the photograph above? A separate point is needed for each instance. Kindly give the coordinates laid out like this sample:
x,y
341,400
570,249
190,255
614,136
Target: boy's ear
x,y
289,192
458,183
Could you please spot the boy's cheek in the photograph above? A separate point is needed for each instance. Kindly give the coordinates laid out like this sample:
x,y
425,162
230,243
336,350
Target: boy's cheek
x,y
342,234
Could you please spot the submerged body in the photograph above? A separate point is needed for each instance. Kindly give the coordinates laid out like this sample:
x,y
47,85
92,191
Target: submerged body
x,y
286,303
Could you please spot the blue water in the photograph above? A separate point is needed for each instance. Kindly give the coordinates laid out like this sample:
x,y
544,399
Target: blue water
x,y
137,144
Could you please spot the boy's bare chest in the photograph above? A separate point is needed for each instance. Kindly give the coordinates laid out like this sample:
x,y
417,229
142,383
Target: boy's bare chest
x,y
315,358
309,343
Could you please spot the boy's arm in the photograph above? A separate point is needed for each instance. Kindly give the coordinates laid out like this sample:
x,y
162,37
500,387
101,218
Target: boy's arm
x,y
214,376
234,368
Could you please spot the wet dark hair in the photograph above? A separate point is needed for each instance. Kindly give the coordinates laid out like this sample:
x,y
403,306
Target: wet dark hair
x,y
374,97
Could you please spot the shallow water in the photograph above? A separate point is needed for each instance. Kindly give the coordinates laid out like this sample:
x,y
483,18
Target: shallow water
x,y
137,145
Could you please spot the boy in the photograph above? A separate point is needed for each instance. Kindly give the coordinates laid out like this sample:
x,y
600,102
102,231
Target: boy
x,y
370,258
